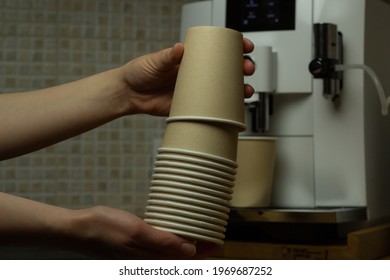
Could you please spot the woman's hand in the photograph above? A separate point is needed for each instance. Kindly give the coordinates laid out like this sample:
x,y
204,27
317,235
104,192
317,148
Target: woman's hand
x,y
98,232
151,79
111,233
143,85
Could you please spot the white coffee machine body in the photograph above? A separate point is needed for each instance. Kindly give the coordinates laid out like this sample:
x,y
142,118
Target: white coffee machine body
x,y
330,154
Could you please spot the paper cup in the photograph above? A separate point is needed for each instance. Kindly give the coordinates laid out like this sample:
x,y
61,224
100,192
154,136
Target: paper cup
x,y
189,200
193,174
185,213
240,126
187,193
184,227
190,235
232,165
256,159
183,159
210,138
194,181
189,207
210,82
185,220
194,188
194,167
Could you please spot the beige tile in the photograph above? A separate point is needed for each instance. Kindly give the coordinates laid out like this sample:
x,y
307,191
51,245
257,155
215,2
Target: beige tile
x,y
54,41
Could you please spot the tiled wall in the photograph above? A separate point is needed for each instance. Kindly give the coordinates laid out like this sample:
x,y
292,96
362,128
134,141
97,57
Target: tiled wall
x,y
48,42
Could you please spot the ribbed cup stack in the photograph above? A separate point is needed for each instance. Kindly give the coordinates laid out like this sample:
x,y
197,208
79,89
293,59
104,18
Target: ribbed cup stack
x,y
195,166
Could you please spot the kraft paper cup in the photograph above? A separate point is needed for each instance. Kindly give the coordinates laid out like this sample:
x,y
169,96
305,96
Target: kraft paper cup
x,y
192,235
189,207
210,138
210,81
232,165
194,174
189,200
185,220
193,188
185,213
184,227
256,160
194,167
189,159
187,193
194,181
240,126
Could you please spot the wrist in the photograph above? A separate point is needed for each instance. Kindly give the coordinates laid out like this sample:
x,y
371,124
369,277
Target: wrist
x,y
117,91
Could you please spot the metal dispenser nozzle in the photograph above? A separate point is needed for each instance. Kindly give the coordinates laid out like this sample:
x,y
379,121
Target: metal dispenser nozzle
x,y
328,52
260,108
263,81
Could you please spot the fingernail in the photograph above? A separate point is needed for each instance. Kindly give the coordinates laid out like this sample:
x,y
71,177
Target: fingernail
x,y
188,249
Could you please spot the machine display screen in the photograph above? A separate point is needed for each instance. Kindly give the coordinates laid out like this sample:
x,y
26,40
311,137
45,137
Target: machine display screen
x,y
260,15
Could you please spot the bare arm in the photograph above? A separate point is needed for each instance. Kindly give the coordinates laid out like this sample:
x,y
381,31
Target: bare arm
x,y
36,119
33,120
100,232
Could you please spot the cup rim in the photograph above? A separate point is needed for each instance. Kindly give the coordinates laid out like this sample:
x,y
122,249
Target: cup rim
x,y
182,212
191,229
188,207
190,235
193,174
177,191
240,126
185,199
193,181
194,160
222,160
181,219
197,168
259,138
189,186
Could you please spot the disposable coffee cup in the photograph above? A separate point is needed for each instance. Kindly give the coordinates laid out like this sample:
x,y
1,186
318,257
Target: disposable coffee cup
x,y
202,162
189,193
185,213
193,174
193,181
199,157
256,160
210,81
180,219
193,188
240,126
210,138
194,167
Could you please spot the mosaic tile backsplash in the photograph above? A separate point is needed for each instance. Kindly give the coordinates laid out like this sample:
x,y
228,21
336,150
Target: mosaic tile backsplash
x,y
49,42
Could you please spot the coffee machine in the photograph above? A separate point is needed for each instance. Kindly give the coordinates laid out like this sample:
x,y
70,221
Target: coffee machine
x,y
333,149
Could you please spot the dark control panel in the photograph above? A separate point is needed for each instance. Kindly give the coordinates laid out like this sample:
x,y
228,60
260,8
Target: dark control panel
x,y
260,15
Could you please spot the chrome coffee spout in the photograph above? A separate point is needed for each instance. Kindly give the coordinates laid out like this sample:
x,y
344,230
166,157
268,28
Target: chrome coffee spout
x,y
260,108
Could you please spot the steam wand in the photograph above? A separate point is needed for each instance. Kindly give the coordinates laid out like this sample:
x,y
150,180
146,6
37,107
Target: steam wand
x,y
328,64
385,101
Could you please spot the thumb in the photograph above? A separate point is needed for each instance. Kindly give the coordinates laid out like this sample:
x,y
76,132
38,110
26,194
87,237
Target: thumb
x,y
165,242
176,53
168,58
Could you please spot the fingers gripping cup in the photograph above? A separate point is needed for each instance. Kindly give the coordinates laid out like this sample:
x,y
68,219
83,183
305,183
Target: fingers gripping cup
x,y
210,82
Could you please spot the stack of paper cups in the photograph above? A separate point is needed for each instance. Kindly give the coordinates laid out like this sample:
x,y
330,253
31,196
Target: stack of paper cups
x,y
195,166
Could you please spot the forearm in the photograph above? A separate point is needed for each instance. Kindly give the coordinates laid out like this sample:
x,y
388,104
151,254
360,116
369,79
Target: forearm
x,y
33,120
98,232
27,221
